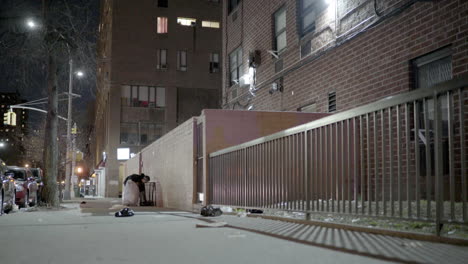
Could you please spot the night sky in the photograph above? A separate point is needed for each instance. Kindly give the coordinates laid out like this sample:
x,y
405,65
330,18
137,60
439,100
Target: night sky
x,y
23,64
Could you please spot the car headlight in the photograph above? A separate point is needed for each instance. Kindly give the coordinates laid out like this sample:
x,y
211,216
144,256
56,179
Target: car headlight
x,y
19,188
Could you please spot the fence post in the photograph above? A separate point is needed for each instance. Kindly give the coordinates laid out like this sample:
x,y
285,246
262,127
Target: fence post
x,y
438,164
306,178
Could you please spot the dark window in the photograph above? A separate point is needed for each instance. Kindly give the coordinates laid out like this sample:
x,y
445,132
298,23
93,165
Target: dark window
x,y
143,138
433,68
142,96
309,10
235,66
331,102
163,3
429,70
16,174
232,4
280,30
182,60
161,55
214,62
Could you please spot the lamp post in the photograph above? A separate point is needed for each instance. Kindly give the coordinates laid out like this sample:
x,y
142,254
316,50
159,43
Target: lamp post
x,y
69,162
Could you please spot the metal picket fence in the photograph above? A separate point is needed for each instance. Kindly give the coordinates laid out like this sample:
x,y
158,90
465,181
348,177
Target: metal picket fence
x,y
401,157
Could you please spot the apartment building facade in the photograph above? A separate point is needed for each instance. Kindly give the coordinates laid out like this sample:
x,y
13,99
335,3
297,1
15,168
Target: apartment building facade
x,y
158,65
334,55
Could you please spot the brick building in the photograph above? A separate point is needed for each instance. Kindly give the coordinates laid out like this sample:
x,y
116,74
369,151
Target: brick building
x,y
333,55
158,65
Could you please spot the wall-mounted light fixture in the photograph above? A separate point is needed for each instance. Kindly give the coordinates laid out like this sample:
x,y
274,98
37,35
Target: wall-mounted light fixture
x,y
277,86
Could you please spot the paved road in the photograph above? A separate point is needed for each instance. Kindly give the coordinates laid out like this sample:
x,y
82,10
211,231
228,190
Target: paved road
x,y
93,235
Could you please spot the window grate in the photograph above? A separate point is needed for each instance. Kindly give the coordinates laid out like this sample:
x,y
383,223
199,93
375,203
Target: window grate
x,y
332,102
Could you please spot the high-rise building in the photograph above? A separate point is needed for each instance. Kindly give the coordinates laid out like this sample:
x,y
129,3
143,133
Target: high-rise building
x,y
158,65
12,150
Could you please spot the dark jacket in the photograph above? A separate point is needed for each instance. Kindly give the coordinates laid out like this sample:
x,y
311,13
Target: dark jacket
x,y
137,178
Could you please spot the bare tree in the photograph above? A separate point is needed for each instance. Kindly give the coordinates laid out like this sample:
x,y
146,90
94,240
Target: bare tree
x,y
67,29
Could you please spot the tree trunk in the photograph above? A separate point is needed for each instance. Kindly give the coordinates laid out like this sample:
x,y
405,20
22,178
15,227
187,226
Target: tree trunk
x,y
49,194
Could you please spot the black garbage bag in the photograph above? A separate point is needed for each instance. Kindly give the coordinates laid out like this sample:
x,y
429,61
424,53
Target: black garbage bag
x,y
210,211
254,211
126,212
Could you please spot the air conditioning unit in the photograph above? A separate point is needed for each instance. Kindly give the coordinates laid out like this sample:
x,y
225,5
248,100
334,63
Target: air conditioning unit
x,y
161,67
244,80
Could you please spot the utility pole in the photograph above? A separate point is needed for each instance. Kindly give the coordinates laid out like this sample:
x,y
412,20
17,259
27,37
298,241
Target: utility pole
x,y
74,178
67,195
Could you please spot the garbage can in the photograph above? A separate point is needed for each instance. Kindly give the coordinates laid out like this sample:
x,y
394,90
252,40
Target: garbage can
x,y
77,191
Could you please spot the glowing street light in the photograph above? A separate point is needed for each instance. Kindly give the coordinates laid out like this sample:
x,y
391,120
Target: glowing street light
x,y
79,74
79,170
26,165
2,144
31,24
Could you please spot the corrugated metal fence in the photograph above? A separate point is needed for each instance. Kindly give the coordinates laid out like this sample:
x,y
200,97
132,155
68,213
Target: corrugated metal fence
x,y
402,157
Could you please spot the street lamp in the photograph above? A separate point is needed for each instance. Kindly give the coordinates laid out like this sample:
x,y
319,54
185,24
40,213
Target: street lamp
x,y
26,165
79,170
31,24
69,169
2,145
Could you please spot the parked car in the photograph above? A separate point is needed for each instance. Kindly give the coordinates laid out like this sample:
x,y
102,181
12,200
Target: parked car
x,y
25,184
7,190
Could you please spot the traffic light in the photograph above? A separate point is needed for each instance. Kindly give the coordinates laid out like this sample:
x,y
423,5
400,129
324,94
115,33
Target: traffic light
x,y
9,118
12,118
6,118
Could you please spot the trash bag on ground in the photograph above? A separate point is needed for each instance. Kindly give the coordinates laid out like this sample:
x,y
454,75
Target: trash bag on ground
x,y
210,211
126,212
131,194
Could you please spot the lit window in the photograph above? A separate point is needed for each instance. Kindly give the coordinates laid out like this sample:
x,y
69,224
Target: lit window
x,y
280,30
210,24
186,21
162,25
182,60
161,59
214,62
235,65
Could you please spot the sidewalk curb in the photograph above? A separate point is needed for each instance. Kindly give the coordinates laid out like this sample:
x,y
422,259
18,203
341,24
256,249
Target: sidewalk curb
x,y
376,231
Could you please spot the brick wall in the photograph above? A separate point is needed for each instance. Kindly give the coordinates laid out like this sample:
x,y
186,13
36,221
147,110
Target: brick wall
x,y
361,56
